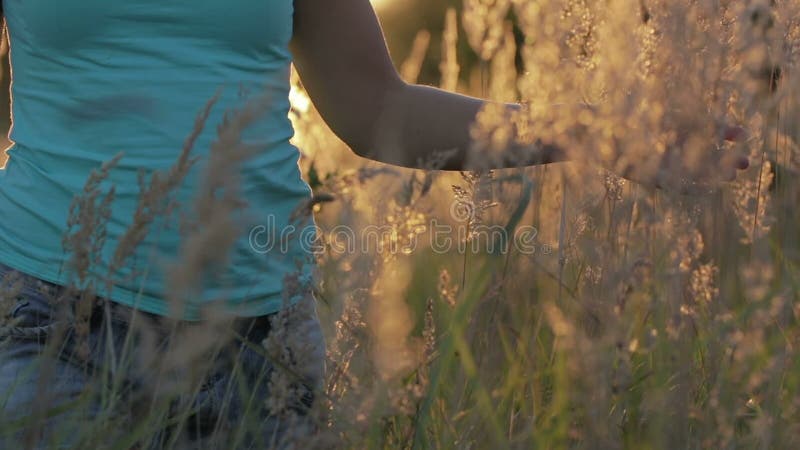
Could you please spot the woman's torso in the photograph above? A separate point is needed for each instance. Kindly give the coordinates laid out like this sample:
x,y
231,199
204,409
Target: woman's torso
x,y
91,78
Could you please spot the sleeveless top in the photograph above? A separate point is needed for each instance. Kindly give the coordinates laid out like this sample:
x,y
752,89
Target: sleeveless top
x,y
94,78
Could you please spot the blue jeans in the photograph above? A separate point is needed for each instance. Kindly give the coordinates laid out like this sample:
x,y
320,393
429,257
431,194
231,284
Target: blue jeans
x,y
126,378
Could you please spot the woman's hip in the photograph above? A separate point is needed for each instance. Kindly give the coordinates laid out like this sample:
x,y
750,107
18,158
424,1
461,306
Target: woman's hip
x,y
208,371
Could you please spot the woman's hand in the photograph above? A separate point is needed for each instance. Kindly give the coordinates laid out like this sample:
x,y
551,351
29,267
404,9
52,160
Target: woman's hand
x,y
722,165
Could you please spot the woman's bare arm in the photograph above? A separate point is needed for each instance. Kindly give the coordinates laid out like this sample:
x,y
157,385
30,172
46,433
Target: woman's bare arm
x,y
342,58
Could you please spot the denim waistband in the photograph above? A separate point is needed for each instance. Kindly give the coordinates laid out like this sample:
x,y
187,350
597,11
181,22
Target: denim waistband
x,y
39,297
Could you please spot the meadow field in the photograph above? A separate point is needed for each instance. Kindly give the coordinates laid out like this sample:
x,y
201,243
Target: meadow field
x,y
566,305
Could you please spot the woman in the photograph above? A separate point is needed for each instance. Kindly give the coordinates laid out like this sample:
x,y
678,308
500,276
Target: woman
x,y
97,78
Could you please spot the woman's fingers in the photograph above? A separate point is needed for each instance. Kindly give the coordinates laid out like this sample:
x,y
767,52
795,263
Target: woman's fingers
x,y
683,181
731,163
742,162
734,134
722,166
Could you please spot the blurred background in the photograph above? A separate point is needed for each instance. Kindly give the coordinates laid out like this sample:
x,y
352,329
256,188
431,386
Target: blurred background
x,y
5,110
403,19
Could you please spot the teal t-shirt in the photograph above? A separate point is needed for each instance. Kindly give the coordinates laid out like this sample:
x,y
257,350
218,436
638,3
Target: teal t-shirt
x,y
92,78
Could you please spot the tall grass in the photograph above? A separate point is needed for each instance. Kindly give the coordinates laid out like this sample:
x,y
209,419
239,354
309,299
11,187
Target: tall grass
x,y
571,307
645,318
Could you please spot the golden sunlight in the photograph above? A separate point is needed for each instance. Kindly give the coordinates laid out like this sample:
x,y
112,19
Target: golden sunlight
x,y
378,4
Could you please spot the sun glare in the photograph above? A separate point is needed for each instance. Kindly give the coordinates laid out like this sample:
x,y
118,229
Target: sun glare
x,y
378,4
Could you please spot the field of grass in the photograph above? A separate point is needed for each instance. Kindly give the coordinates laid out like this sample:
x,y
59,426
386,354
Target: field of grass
x,y
563,306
